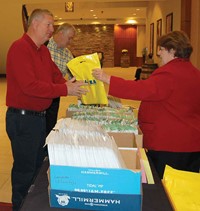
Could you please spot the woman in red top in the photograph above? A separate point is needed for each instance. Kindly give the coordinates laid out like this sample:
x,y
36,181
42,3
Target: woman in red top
x,y
169,115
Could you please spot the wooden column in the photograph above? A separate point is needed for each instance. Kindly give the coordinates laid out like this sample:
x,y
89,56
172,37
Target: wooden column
x,y
195,32
186,16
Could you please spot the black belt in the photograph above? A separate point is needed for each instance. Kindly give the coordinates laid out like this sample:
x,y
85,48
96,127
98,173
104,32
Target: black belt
x,y
27,112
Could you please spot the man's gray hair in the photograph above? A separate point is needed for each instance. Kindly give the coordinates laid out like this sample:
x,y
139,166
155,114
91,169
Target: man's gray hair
x,y
65,27
38,13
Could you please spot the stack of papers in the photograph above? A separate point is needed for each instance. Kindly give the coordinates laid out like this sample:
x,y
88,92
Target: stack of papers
x,y
83,144
118,121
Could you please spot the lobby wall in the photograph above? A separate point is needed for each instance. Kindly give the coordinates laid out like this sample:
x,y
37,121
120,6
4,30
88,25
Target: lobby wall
x,y
159,10
110,40
11,27
94,38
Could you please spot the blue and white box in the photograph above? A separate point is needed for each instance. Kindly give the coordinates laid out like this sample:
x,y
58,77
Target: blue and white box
x,y
104,189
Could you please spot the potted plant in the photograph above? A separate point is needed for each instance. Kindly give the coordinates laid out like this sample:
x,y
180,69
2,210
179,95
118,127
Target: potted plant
x,y
125,58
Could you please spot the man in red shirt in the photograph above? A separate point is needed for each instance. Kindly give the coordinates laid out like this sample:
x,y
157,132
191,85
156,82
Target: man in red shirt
x,y
33,80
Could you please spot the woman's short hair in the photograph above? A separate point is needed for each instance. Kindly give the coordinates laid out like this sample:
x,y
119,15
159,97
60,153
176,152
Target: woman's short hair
x,y
38,13
178,41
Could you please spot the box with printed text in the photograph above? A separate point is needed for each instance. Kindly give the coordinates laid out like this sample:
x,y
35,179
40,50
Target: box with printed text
x,y
105,189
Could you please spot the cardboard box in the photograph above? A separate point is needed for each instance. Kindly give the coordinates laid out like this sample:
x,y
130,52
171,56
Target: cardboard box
x,y
104,189
69,114
123,139
130,157
139,138
128,139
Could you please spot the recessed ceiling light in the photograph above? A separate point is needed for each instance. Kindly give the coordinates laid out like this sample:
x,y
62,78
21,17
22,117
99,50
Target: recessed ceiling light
x,y
60,23
95,22
131,21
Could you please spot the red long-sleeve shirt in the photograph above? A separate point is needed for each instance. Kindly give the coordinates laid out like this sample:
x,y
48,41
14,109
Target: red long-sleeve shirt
x,y
33,79
169,114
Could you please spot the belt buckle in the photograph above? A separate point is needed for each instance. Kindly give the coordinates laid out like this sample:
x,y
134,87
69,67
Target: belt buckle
x,y
23,112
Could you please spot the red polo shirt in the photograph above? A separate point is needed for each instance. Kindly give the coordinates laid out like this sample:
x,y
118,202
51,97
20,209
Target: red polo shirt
x,y
33,79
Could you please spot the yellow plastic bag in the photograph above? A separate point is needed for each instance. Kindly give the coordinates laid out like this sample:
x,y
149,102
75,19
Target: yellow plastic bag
x,y
81,67
183,189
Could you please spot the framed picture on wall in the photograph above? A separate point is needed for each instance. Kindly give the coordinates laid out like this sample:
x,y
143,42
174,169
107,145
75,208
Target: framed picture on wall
x,y
151,38
69,6
159,28
169,23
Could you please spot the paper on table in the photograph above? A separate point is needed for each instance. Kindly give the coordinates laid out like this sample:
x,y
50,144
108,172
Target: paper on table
x,y
80,143
147,167
182,188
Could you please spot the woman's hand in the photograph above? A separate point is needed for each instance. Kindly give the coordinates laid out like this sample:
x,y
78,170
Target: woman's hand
x,y
99,74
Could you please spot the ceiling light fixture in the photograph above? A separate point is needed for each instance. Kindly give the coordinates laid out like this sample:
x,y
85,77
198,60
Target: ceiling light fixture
x,y
131,21
60,23
95,22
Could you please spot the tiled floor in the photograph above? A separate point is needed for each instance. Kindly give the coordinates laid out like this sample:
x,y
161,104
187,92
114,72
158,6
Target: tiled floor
x,y
5,150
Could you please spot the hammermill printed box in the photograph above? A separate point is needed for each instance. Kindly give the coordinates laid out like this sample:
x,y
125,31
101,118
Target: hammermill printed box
x,y
104,189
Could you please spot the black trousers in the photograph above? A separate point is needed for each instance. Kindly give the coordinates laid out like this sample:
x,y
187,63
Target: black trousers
x,y
138,73
52,115
27,134
186,161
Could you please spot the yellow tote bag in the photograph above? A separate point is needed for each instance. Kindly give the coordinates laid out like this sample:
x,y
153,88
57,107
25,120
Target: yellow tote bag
x,y
183,189
81,67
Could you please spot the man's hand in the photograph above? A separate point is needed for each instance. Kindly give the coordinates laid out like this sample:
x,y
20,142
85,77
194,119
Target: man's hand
x,y
99,74
74,87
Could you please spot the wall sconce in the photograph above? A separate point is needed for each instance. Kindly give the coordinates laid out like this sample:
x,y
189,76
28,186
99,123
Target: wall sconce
x,y
69,6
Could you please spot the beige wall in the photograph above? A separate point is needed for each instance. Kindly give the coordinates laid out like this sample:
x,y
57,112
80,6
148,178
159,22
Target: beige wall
x,y
141,40
159,10
11,25
11,28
